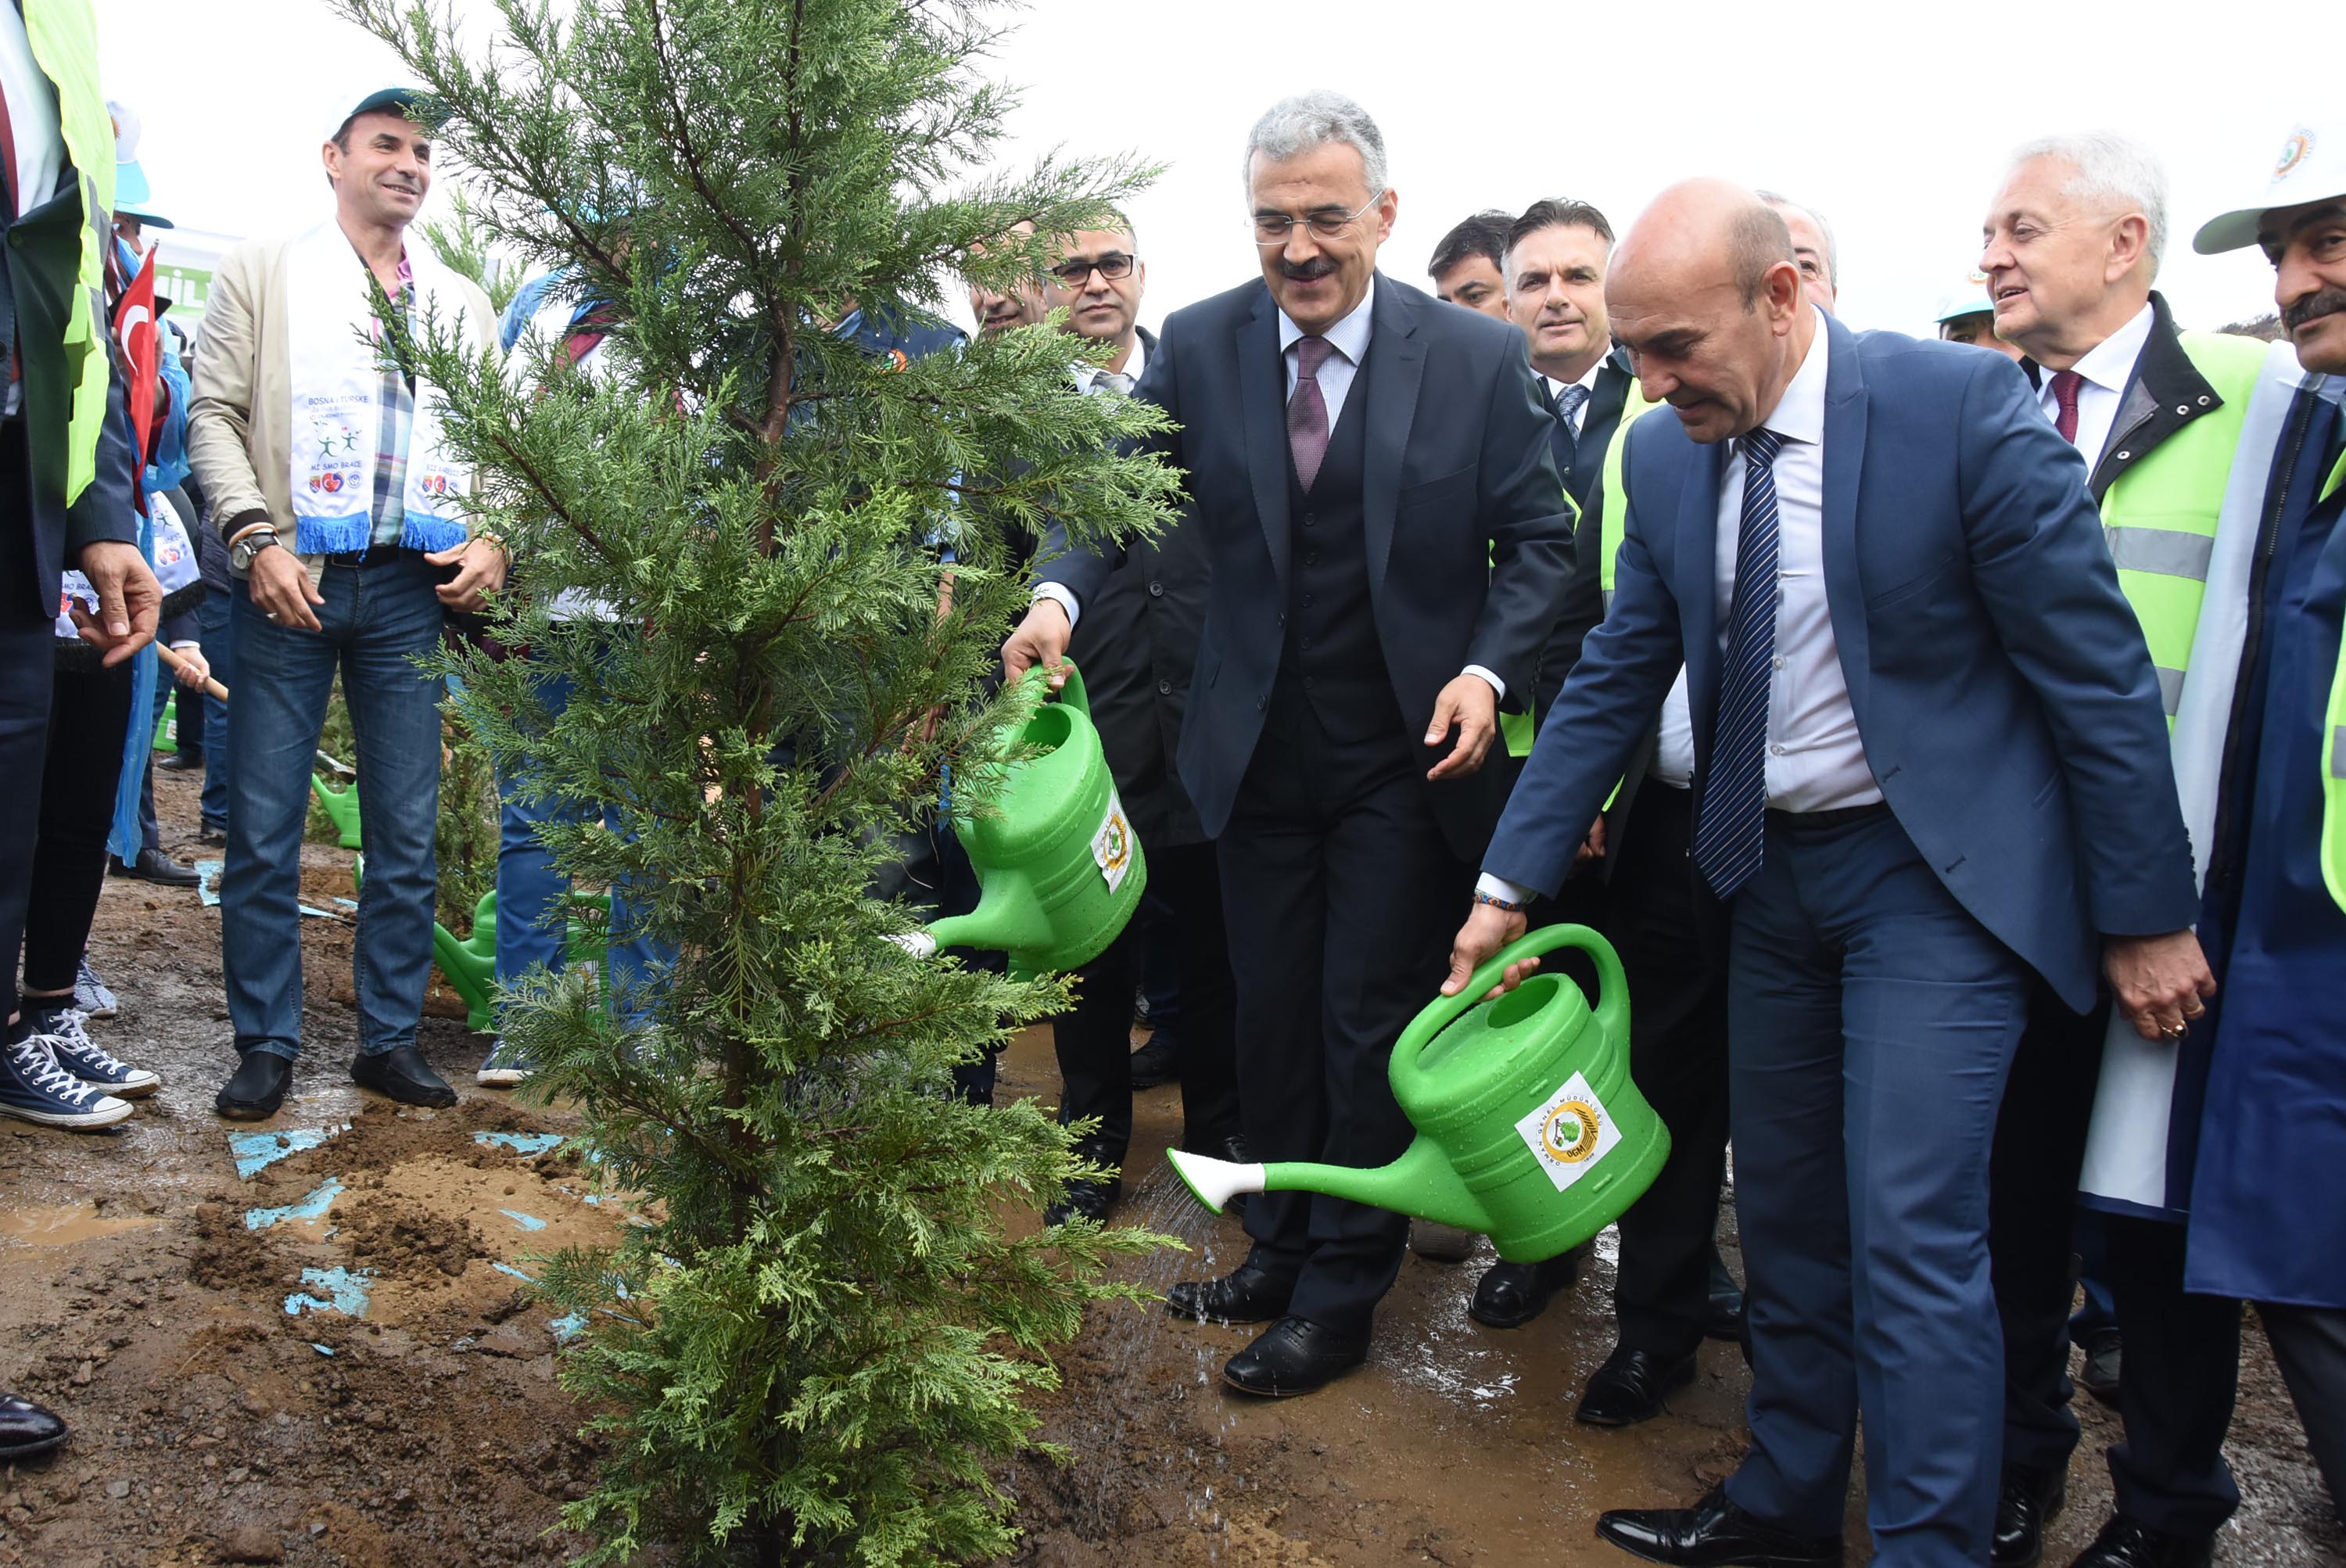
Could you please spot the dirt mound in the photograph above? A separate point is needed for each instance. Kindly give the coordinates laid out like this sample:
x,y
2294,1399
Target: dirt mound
x,y
383,1135
230,1258
407,1241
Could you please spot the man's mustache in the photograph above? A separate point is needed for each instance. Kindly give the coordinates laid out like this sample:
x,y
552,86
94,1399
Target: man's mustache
x,y
1305,272
2313,307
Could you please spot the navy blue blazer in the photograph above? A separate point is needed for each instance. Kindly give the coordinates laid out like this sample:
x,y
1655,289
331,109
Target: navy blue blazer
x,y
1468,530
2002,687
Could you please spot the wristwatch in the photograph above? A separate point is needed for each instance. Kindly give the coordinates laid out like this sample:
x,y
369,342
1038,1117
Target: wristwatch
x,y
240,554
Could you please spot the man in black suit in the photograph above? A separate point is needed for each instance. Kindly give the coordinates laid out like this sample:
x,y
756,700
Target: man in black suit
x,y
1389,541
1137,648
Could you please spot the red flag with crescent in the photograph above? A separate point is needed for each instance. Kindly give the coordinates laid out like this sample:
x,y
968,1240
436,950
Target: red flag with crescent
x,y
142,360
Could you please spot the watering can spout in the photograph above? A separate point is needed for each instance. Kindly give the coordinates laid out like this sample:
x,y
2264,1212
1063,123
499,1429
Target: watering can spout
x,y
1421,1183
1008,919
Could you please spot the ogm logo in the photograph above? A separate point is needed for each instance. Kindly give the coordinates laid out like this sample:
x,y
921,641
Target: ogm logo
x,y
1571,1131
2292,152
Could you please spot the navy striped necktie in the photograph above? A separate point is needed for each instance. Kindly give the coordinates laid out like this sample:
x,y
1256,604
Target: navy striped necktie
x,y
1728,838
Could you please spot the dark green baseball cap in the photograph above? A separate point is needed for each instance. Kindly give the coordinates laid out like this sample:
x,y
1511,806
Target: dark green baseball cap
x,y
407,103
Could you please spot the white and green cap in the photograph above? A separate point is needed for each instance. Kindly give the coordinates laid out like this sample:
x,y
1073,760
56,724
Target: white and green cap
x,y
2312,165
1970,300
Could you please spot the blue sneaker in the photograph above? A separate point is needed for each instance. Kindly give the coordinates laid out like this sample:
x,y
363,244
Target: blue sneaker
x,y
90,994
504,1068
34,1088
76,1053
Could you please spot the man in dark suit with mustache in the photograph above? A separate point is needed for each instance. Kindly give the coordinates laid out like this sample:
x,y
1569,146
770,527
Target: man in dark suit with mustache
x,y
1389,541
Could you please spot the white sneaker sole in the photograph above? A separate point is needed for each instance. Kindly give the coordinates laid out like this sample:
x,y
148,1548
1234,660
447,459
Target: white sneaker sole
x,y
134,1088
105,1114
500,1077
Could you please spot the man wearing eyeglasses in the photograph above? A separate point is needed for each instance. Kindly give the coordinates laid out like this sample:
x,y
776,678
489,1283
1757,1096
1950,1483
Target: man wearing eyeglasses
x,y
1389,541
1136,647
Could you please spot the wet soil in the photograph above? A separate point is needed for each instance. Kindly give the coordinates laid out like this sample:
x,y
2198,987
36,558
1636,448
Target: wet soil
x,y
336,1361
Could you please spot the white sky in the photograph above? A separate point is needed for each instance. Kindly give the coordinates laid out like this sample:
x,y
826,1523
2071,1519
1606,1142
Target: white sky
x,y
1892,118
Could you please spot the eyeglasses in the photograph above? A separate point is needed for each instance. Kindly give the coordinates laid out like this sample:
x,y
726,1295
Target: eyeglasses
x,y
1273,228
1075,273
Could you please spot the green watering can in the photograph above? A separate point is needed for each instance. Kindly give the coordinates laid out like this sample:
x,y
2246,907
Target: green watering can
x,y
1058,867
1528,1127
167,728
342,810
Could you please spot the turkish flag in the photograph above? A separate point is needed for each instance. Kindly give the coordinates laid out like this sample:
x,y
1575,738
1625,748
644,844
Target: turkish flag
x,y
142,361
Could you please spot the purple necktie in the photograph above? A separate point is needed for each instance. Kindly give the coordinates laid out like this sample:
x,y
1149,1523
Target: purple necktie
x,y
2066,387
1307,410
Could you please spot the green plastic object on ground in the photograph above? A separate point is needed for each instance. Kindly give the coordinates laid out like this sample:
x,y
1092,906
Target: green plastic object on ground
x,y
341,809
1058,867
167,728
1528,1127
470,964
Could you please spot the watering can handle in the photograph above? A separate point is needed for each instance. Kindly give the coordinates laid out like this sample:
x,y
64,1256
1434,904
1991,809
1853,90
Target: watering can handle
x,y
1073,693
1612,1007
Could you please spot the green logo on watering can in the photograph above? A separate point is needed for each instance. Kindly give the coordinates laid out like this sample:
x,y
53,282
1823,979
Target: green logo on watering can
x,y
1569,1133
1112,845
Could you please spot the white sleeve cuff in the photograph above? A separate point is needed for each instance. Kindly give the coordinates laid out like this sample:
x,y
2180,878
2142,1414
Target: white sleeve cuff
x,y
1064,597
1500,887
1494,683
184,646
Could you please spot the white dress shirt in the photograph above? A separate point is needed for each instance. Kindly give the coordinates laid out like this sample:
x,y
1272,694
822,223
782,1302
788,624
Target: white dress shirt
x,y
32,116
1087,374
1350,339
2106,370
1815,759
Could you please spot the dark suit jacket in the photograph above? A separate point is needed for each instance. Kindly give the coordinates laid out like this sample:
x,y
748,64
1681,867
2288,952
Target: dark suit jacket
x,y
1468,534
2007,704
40,535
1136,645
1584,599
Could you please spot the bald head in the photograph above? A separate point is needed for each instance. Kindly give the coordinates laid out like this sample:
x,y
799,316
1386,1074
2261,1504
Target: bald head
x,y
1716,317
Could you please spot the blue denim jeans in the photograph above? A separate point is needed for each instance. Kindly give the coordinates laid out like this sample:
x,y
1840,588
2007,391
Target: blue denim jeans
x,y
373,624
530,934
220,650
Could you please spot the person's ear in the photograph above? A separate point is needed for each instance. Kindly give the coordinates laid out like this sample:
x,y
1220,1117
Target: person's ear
x,y
2129,240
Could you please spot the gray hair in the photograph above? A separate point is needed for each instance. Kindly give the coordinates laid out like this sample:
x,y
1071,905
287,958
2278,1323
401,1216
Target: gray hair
x,y
2112,168
1296,125
1824,227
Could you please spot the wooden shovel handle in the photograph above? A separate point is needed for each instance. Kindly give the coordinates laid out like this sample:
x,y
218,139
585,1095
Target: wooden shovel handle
x,y
179,660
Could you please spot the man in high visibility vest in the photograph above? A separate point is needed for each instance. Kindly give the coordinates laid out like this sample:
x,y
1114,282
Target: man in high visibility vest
x,y
2260,770
65,479
2072,241
1649,900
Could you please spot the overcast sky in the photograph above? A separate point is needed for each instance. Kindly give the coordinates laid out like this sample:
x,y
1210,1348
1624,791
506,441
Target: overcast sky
x,y
1892,118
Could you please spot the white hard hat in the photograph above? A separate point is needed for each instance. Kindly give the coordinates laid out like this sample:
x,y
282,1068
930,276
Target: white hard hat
x,y
2312,165
1969,300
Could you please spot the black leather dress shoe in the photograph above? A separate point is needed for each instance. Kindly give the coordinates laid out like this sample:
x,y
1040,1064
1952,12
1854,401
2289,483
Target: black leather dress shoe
x,y
1722,1316
1510,1294
27,1431
182,762
1245,1295
1158,1061
2026,1503
2129,1543
257,1087
1629,1387
1090,1200
1714,1534
155,866
1294,1356
403,1075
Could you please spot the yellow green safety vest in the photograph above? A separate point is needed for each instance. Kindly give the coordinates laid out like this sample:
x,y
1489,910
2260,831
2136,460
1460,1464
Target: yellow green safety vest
x,y
2334,775
64,36
1517,728
2159,517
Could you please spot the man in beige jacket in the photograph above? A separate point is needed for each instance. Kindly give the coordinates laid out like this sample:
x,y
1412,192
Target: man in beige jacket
x,y
343,504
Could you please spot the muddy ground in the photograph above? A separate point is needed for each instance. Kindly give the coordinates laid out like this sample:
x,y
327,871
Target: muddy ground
x,y
361,1377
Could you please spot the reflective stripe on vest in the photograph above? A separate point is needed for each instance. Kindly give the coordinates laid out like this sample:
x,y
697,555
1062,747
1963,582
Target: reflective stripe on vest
x,y
2160,516
2333,782
64,36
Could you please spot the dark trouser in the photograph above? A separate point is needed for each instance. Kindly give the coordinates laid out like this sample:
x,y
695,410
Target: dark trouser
x,y
2310,1343
25,678
1093,1038
1871,1023
219,652
2182,1370
78,777
1672,938
2040,1145
1341,897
